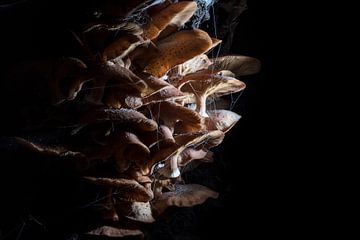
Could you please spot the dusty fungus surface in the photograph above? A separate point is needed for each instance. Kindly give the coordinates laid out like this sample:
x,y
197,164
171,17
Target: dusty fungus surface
x,y
127,113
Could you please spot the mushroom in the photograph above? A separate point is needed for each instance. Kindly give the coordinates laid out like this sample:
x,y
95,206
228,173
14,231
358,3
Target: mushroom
x,y
116,232
156,90
154,84
191,154
161,138
199,75
207,84
129,149
195,64
83,160
98,36
160,184
122,46
190,163
135,173
169,93
195,149
142,55
173,16
222,120
116,116
168,135
187,195
117,79
178,48
160,112
57,151
137,211
124,189
239,65
171,154
115,98
178,113
183,159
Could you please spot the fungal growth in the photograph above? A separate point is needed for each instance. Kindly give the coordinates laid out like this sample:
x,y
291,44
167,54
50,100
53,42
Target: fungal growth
x,y
128,112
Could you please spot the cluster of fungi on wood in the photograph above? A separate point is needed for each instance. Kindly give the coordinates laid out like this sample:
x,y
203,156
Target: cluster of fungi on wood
x,y
135,103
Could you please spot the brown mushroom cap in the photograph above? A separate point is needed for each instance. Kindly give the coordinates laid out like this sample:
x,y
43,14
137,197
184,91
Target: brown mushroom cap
x,y
160,184
222,120
191,165
178,48
123,77
191,154
98,36
173,15
114,78
58,151
118,116
167,134
207,85
193,65
124,189
116,232
129,149
142,55
196,64
115,98
79,159
160,112
122,46
168,93
137,211
122,88
239,65
154,85
135,173
170,113
183,196
200,75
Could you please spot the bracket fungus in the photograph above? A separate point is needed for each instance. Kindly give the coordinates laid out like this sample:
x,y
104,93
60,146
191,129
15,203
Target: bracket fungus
x,y
136,107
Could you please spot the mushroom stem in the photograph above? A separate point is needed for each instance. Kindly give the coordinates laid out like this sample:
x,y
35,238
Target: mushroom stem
x,y
175,172
201,105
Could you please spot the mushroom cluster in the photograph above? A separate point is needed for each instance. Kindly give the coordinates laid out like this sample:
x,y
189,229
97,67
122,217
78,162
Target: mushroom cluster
x,y
130,110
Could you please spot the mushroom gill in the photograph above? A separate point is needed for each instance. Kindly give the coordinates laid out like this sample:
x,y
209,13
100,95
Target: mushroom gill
x,y
128,110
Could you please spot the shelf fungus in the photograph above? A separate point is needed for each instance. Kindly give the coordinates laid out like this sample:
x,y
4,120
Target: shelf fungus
x,y
134,106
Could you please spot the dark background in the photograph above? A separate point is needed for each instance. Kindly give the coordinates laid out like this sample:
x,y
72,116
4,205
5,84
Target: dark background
x,y
253,171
